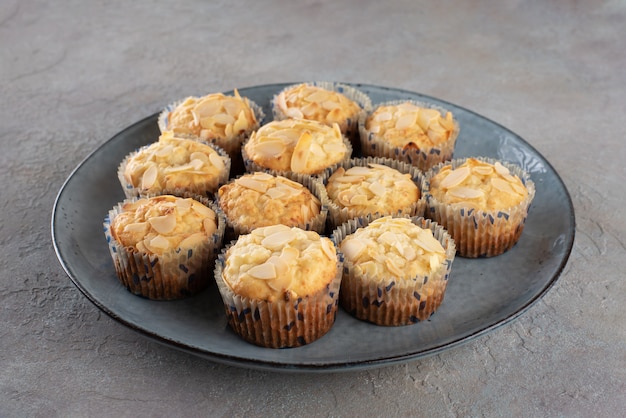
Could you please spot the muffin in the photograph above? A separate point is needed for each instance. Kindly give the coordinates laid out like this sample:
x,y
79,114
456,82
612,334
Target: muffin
x,y
280,286
395,269
324,102
482,202
164,247
217,118
373,187
261,199
296,146
174,166
418,133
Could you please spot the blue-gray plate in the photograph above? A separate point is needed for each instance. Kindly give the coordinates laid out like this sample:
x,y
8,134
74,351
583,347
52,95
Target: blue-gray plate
x,y
482,294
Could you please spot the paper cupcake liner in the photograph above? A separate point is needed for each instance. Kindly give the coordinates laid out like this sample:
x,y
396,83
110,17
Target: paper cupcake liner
x,y
131,191
251,166
423,158
281,323
175,275
349,127
337,215
388,301
232,146
317,223
479,233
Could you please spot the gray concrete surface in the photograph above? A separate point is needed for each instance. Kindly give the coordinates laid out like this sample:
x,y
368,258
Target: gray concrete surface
x,y
73,73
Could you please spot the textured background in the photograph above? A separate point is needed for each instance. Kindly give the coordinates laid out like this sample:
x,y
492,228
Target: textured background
x,y
73,73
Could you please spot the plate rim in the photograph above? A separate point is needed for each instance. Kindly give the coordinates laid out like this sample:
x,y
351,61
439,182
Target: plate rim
x,y
320,367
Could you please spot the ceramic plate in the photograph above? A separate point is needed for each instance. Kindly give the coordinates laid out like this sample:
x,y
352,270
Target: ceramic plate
x,y
482,294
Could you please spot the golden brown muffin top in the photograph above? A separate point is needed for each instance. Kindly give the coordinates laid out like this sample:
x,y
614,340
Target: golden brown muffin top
x,y
305,101
373,188
174,163
261,199
299,146
478,185
279,263
161,224
406,123
393,248
212,116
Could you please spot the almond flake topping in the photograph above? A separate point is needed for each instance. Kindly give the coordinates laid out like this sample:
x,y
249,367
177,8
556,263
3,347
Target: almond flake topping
x,y
217,161
163,224
192,240
265,271
159,242
455,177
149,177
502,185
250,183
328,248
202,210
466,193
279,239
500,169
352,248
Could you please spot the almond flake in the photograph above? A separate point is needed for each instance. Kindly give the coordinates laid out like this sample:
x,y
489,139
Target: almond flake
x,y
280,283
301,153
428,242
466,192
270,148
358,171
273,229
391,266
149,177
202,210
358,200
293,112
426,116
275,193
280,264
164,151
347,179
196,164
500,169
352,248
335,148
163,224
330,105
198,156
241,124
519,189
223,118
159,242
483,170
136,228
377,188
328,248
206,108
250,183
502,185
318,95
317,150
265,271
192,240
289,254
278,239
455,177
406,121
434,262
